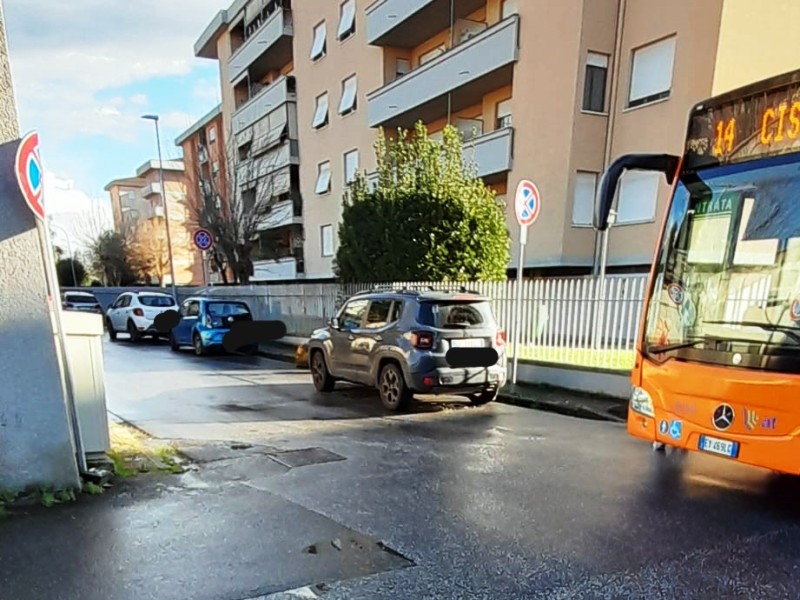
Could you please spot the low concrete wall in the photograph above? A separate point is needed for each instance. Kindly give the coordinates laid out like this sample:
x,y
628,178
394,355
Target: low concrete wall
x,y
614,384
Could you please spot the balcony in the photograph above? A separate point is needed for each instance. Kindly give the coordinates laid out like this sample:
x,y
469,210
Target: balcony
x,y
154,189
408,23
271,170
202,154
283,214
270,48
492,153
278,93
467,73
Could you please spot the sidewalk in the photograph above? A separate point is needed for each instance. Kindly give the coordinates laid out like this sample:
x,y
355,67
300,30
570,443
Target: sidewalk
x,y
564,402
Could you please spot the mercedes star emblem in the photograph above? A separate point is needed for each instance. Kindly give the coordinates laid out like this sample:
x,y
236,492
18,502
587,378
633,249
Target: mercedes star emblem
x,y
723,417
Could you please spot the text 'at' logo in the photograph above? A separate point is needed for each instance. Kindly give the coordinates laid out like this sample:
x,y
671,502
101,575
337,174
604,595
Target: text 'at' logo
x,y
723,417
752,420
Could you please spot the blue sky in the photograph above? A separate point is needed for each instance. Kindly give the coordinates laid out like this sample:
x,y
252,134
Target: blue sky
x,y
86,70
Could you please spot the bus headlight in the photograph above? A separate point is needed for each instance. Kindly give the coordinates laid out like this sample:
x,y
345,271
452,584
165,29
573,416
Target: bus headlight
x,y
642,403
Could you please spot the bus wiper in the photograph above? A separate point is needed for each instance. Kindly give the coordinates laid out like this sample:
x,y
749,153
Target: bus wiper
x,y
676,346
789,331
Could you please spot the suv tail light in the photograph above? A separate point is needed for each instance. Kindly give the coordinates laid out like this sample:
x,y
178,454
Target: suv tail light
x,y
423,340
138,312
500,338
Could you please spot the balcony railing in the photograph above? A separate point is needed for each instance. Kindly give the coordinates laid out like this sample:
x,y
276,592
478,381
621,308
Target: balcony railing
x,y
276,94
474,68
154,189
274,35
408,23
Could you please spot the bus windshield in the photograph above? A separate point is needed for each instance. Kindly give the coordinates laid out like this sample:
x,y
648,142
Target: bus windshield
x,y
728,272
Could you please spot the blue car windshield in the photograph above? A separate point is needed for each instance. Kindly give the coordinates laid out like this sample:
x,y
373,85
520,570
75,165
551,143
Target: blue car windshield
x,y
225,309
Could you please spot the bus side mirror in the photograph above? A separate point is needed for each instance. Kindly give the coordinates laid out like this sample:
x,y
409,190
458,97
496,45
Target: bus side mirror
x,y
663,163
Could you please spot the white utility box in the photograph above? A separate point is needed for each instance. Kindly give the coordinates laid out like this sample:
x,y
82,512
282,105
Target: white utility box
x,y
84,341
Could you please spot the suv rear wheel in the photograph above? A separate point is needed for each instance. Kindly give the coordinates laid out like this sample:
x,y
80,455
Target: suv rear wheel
x,y
133,333
393,390
484,397
323,382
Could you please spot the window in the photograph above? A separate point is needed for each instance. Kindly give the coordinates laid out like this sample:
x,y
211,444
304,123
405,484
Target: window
x,y
212,134
638,194
583,200
349,101
353,313
319,45
350,166
397,310
504,114
594,85
157,301
378,315
215,168
326,236
431,54
321,112
651,73
347,19
509,8
190,309
402,67
323,178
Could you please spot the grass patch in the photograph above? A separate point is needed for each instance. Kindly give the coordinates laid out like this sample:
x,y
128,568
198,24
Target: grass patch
x,y
133,452
580,357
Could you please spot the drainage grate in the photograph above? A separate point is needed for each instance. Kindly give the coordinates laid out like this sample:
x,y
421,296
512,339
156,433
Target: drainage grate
x,y
306,457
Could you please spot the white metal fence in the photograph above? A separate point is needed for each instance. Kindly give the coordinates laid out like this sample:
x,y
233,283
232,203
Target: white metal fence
x,y
581,321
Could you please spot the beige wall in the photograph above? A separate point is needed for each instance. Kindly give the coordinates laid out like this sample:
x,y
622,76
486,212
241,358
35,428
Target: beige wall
x,y
342,134
661,126
756,41
543,107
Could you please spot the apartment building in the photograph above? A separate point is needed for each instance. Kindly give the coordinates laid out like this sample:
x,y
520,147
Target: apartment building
x,y
549,91
135,200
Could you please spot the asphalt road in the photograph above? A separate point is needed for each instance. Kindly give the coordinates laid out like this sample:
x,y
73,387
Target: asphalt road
x,y
493,502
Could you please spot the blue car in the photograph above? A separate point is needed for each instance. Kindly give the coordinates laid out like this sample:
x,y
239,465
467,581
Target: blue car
x,y
204,323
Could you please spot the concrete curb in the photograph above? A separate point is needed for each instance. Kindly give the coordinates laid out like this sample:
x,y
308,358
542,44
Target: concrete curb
x,y
577,410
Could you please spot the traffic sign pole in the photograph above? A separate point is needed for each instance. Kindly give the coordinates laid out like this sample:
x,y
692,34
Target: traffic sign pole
x,y
523,238
527,204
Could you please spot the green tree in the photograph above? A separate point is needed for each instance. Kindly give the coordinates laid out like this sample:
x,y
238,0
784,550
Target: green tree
x,y
109,252
64,271
430,217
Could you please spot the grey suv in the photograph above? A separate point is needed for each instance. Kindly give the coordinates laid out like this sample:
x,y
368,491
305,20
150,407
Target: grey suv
x,y
397,341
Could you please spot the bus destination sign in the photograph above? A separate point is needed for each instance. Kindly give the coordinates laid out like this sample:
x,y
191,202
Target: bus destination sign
x,y
749,127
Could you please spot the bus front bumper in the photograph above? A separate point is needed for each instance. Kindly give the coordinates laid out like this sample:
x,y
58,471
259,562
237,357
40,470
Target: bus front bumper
x,y
778,453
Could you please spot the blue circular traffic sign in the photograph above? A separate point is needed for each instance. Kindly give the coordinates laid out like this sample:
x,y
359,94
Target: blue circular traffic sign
x,y
203,239
527,202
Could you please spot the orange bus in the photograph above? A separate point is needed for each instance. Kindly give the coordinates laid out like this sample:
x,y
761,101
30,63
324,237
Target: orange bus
x,y
717,368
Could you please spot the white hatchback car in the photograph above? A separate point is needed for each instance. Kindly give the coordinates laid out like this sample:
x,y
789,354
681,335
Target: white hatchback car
x,y
135,313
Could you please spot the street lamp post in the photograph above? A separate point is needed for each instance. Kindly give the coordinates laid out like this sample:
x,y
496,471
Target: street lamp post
x,y
154,118
69,249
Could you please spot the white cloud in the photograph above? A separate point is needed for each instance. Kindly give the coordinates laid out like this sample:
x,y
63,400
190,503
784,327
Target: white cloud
x,y
64,53
139,99
77,217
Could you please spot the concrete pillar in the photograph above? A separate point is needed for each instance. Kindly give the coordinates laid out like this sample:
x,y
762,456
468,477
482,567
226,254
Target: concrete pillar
x,y
36,445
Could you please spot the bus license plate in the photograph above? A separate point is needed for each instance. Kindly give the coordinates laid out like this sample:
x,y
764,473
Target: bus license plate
x,y
717,446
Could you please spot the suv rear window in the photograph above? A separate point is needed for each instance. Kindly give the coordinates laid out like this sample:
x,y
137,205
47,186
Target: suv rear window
x,y
224,309
456,315
156,301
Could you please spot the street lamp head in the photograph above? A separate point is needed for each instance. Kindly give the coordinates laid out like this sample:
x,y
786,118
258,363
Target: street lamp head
x,y
150,117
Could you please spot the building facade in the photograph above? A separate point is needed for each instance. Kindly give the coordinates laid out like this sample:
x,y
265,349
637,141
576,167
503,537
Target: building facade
x,y
542,90
136,203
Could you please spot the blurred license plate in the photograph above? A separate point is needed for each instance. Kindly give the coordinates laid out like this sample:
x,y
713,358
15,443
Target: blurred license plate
x,y
470,343
717,446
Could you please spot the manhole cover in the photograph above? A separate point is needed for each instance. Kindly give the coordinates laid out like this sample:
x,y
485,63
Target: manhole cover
x,y
306,457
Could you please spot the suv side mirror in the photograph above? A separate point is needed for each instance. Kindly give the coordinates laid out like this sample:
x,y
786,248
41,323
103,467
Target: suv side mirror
x,y
334,323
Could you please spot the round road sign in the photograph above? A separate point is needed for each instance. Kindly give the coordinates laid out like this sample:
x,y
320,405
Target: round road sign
x,y
527,203
203,239
30,175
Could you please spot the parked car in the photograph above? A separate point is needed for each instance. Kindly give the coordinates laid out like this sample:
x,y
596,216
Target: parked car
x,y
397,342
81,302
135,313
204,323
